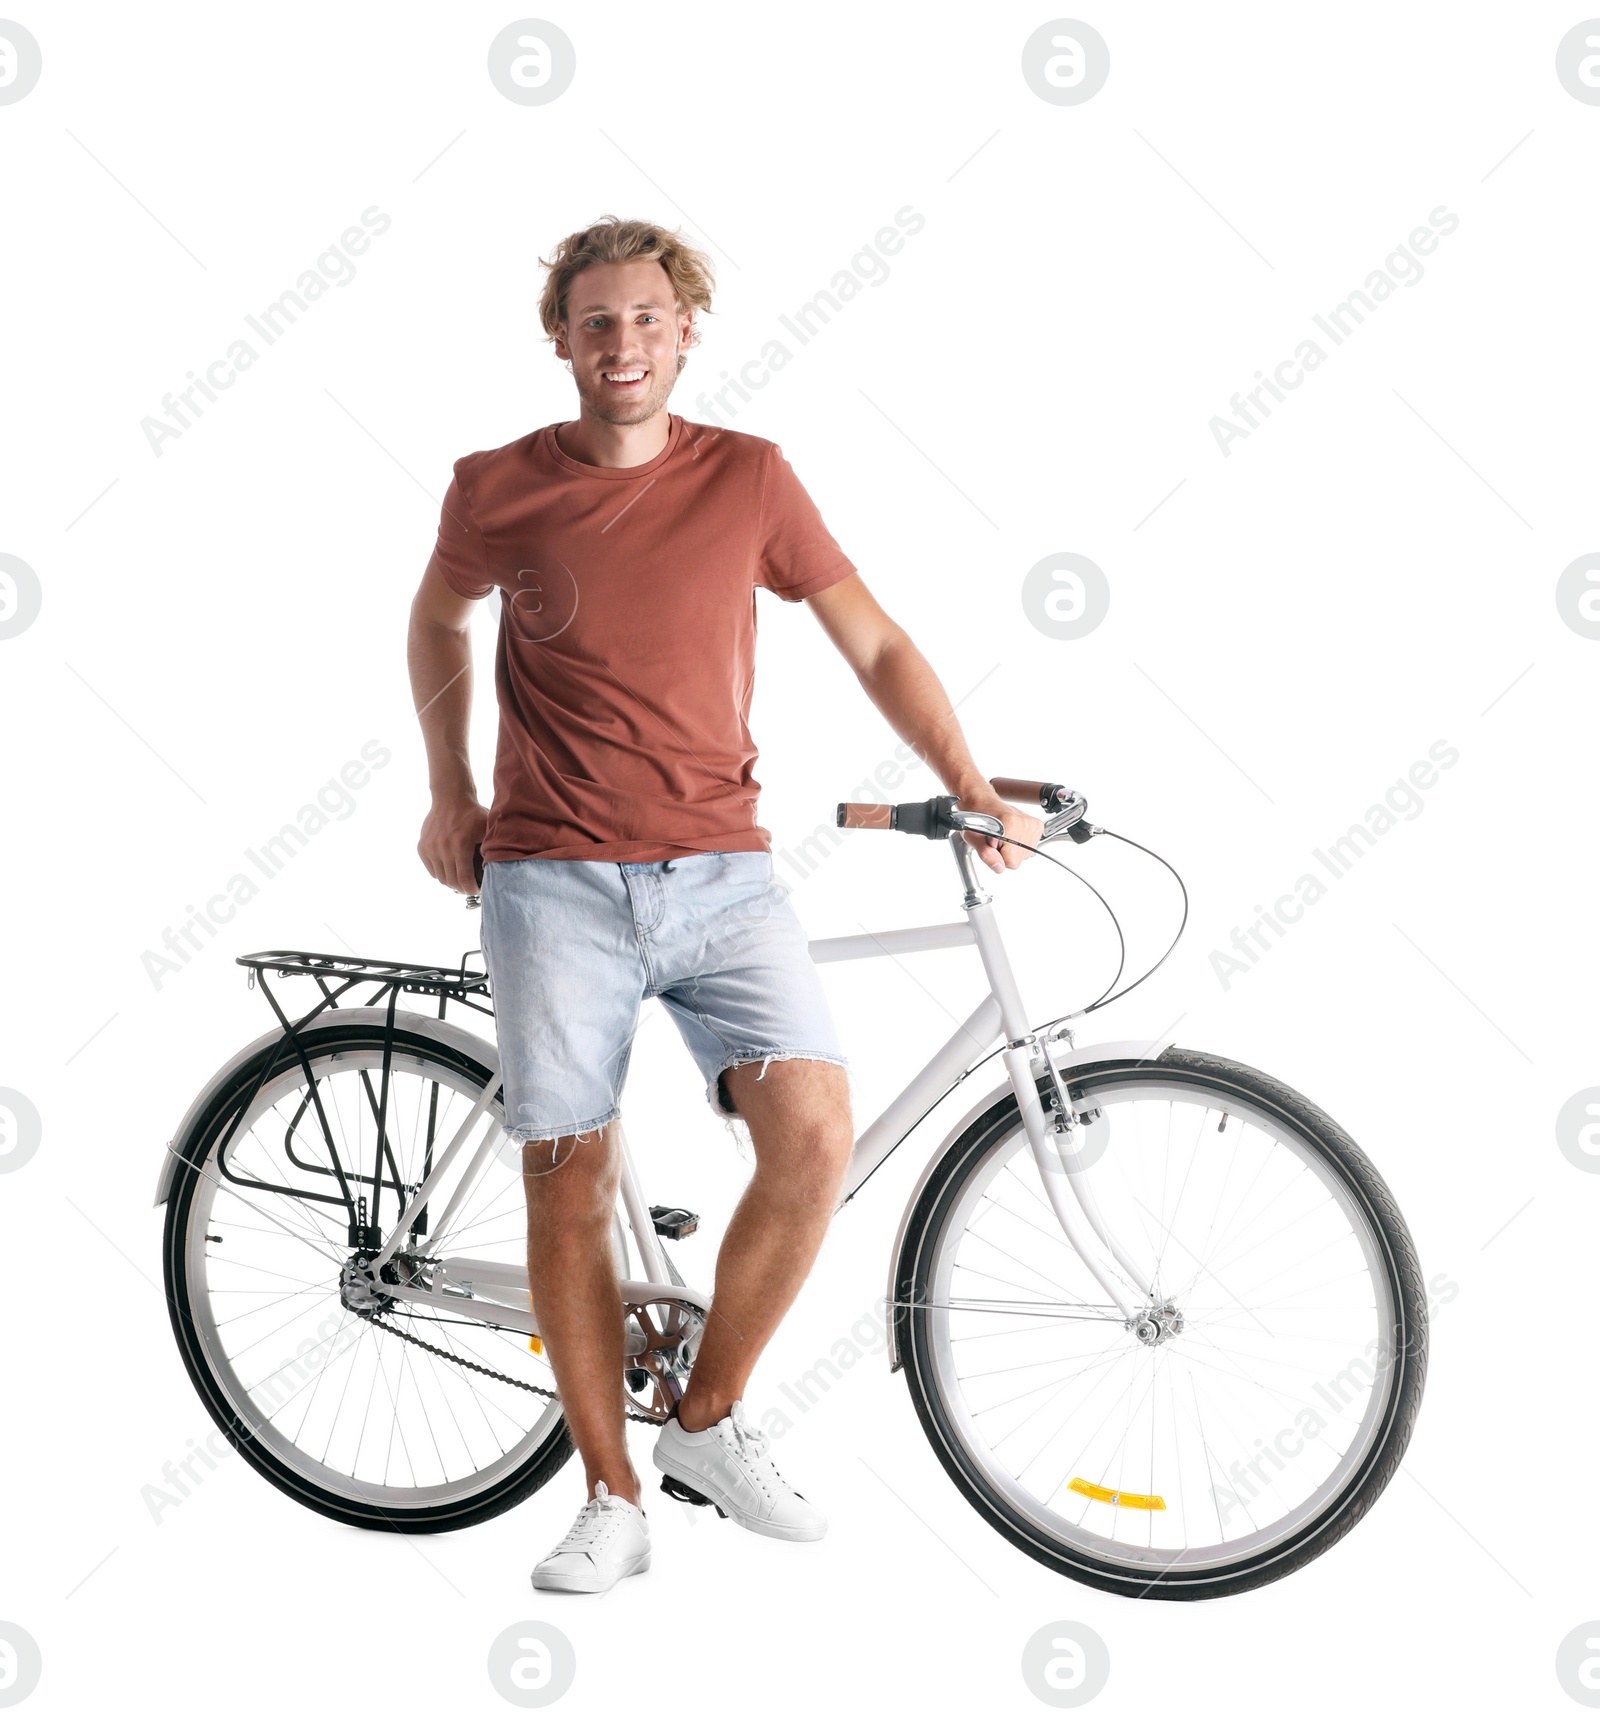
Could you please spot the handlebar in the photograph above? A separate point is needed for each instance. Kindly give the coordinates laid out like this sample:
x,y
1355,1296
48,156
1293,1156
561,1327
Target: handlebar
x,y
938,818
930,818
1049,795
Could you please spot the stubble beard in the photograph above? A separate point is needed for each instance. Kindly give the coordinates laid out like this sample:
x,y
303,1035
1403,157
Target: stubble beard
x,y
629,414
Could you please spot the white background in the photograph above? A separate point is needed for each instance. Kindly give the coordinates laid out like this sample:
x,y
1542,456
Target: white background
x,y
1372,570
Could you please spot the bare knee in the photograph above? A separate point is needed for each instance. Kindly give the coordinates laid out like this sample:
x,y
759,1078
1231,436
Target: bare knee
x,y
573,1181
826,1132
798,1114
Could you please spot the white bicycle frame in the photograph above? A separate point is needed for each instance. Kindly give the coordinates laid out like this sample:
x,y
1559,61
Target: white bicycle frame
x,y
498,1291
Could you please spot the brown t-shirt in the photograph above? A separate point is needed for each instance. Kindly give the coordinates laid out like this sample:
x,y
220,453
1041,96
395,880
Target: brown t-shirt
x,y
626,657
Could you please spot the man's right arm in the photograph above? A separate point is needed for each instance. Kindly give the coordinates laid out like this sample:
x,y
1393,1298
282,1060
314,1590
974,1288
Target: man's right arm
x,y
439,655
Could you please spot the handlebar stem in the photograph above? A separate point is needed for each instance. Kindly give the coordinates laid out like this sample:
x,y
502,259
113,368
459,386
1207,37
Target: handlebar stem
x,y
976,894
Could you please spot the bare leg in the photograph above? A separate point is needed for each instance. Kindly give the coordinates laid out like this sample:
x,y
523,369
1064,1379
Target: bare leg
x,y
576,1297
798,1114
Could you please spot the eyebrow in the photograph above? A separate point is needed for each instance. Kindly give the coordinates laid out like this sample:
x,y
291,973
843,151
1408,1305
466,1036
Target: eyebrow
x,y
638,306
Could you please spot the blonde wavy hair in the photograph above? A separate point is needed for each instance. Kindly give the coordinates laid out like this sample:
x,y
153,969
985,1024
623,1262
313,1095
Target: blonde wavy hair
x,y
617,240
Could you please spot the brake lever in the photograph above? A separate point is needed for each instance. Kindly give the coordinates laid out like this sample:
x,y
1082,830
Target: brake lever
x,y
1068,822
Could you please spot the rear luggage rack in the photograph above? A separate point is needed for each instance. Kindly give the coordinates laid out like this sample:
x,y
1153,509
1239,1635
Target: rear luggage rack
x,y
458,983
337,976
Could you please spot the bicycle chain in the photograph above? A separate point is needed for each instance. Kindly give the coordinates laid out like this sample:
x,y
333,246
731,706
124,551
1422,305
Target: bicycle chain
x,y
479,1368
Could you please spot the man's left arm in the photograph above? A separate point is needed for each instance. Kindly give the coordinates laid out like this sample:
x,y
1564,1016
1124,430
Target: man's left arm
x,y
907,692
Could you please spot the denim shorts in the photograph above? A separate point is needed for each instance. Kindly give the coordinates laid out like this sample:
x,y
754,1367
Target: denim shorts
x,y
574,947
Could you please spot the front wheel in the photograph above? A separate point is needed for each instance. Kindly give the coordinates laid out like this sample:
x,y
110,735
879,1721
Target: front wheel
x,y
1264,1392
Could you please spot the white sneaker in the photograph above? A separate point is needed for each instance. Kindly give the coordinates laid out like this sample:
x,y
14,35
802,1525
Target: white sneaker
x,y
727,1467
609,1540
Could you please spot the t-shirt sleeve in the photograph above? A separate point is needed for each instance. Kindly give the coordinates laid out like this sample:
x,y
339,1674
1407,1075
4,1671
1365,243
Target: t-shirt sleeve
x,y
460,551
795,555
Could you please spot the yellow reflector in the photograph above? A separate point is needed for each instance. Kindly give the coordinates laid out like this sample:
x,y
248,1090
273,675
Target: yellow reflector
x,y
536,1344
1118,1497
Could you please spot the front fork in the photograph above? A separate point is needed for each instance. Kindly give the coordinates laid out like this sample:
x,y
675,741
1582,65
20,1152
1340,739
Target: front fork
x,y
1056,1144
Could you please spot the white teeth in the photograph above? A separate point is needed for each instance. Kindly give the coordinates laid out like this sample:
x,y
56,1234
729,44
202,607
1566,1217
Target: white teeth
x,y
624,377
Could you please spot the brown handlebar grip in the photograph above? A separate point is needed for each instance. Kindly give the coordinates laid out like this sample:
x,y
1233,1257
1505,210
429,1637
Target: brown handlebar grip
x,y
865,816
1021,791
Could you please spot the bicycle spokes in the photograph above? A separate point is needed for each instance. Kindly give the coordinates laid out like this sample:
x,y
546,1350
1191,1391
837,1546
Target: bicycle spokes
x,y
1233,1400
326,1363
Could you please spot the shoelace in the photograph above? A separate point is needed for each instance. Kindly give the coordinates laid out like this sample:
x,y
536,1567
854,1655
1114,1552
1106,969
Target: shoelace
x,y
751,1442
752,1446
596,1523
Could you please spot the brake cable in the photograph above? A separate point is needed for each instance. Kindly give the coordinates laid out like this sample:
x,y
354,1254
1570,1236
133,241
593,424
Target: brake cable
x,y
1111,994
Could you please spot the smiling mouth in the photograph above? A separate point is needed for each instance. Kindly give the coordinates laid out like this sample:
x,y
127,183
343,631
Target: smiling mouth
x,y
633,376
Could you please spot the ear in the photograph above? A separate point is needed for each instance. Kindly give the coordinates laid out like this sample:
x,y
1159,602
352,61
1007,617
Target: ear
x,y
562,351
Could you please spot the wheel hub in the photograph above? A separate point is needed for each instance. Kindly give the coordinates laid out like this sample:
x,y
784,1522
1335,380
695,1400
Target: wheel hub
x,y
1156,1324
356,1289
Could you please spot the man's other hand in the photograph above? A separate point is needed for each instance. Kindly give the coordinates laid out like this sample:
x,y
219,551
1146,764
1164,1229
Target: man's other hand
x,y
450,835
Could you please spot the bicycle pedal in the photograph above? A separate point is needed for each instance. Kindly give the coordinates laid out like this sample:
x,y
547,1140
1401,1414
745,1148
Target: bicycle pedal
x,y
674,1222
682,1492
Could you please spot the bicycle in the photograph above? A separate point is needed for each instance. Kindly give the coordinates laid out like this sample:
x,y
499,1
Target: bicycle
x,y
1161,1319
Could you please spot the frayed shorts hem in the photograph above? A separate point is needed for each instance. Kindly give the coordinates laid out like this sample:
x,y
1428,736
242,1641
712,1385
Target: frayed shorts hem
x,y
743,1058
523,1133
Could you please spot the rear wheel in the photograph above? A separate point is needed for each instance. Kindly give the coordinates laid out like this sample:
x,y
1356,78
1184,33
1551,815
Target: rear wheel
x,y
349,1410
1262,1396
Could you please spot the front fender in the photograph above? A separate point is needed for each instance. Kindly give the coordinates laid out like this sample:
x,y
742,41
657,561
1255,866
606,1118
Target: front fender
x,y
445,1032
1067,1060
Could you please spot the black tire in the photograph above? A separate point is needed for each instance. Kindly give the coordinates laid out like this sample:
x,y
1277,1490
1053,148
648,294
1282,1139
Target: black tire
x,y
913,1325
209,1122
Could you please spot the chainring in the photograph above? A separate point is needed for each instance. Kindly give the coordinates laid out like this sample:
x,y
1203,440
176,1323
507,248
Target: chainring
x,y
663,1352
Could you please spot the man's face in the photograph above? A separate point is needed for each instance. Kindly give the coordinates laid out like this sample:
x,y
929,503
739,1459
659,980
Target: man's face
x,y
622,335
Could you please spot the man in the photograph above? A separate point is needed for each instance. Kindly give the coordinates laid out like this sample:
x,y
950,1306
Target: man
x,y
622,857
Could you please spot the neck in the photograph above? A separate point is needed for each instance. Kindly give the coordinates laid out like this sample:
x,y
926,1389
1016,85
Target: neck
x,y
604,445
